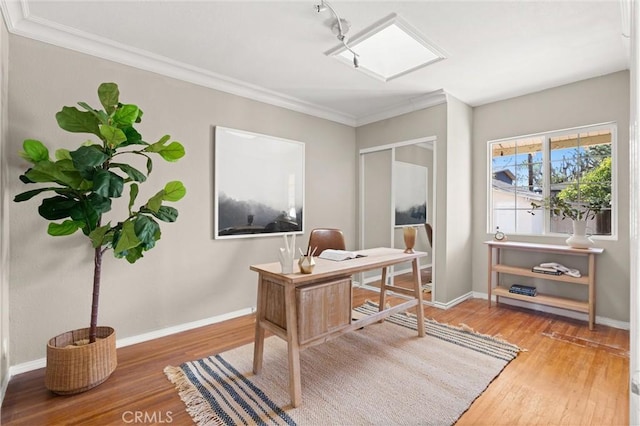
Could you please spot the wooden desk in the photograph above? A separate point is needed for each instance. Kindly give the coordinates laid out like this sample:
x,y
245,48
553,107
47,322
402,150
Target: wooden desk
x,y
308,309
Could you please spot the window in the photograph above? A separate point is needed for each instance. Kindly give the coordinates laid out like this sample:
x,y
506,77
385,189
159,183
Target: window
x,y
574,165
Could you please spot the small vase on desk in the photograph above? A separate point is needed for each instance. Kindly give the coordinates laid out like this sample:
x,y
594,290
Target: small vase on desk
x,y
306,264
409,234
579,238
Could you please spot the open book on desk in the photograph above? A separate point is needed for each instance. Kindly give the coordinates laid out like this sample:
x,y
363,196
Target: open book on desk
x,y
332,254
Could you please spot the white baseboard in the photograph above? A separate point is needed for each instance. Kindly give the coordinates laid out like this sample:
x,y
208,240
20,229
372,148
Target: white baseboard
x,y
454,302
128,341
557,311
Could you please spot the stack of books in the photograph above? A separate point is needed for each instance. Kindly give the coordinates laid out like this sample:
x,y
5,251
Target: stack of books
x,y
523,289
545,270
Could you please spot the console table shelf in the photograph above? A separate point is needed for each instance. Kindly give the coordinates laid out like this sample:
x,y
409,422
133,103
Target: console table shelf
x,y
523,272
497,268
543,299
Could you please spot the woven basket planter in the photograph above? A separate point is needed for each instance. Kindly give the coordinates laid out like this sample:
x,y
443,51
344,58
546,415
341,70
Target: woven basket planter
x,y
73,369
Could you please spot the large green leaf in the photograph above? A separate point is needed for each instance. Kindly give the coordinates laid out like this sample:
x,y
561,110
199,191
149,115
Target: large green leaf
x,y
62,154
164,213
125,115
107,184
133,254
97,236
58,207
133,194
146,231
88,157
174,191
34,151
85,211
127,238
108,94
100,115
72,119
155,202
24,196
172,152
46,171
133,173
99,203
112,135
133,137
67,227
74,178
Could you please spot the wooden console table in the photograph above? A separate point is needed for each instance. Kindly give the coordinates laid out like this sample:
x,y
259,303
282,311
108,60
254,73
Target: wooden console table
x,y
308,309
588,280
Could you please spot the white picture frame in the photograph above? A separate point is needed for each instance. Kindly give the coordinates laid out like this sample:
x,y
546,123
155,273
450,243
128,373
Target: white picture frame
x,y
258,184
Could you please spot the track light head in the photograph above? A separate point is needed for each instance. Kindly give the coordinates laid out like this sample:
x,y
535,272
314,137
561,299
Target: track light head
x,y
356,63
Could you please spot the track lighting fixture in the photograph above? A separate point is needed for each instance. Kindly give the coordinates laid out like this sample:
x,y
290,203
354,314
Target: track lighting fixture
x,y
340,27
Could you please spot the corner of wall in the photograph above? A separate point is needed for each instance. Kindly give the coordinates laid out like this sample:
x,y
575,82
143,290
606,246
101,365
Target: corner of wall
x,y
4,219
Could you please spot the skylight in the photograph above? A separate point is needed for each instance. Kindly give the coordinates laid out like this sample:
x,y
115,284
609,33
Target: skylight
x,y
389,49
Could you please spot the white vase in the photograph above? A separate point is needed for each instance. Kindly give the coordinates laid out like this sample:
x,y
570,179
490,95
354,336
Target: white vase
x,y
579,238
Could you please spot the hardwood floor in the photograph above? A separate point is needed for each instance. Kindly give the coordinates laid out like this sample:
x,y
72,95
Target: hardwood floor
x,y
567,375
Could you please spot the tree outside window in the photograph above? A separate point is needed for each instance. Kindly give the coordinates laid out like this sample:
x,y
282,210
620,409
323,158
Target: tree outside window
x,y
574,166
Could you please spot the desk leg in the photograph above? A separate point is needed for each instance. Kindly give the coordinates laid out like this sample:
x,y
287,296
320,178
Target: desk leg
x,y
417,282
295,386
258,347
383,291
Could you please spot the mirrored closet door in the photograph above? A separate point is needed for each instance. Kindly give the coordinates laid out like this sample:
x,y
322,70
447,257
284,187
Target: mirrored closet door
x,y
396,191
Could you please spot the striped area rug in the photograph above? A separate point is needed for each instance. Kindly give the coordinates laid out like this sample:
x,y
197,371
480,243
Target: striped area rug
x,y
463,335
382,374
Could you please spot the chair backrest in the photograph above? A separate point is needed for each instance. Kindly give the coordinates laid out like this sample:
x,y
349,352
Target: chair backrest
x,y
427,226
325,238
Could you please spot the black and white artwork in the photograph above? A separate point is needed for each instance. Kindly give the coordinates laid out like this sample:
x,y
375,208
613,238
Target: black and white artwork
x,y
259,184
410,191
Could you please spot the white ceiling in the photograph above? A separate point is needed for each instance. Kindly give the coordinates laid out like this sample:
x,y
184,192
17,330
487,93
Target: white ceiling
x,y
274,51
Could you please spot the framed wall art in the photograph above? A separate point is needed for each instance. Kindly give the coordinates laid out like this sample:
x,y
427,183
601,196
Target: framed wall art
x,y
258,184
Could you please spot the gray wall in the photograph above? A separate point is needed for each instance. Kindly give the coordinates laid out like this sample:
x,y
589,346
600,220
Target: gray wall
x,y
188,276
586,102
4,214
423,123
459,210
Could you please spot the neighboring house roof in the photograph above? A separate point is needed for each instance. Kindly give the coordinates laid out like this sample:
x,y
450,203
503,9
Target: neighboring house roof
x,y
499,185
504,175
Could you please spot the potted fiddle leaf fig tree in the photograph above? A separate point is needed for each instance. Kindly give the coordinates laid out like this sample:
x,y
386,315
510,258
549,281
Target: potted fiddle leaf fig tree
x,y
80,187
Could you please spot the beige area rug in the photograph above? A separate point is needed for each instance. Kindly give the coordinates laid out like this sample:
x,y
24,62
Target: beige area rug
x,y
382,374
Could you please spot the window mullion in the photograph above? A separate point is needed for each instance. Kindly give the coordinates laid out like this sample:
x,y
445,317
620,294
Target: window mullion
x,y
546,179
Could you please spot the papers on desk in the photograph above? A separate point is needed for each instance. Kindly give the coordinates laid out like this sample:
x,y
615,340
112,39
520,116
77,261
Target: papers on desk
x,y
338,255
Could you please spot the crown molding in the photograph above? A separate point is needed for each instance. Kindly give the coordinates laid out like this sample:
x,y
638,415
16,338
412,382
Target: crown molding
x,y
20,22
414,104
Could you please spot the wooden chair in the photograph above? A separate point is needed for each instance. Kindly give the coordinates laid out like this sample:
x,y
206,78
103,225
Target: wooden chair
x,y
429,229
427,279
325,238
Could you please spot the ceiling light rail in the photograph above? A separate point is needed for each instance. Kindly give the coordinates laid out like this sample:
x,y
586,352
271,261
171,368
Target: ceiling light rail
x,y
340,27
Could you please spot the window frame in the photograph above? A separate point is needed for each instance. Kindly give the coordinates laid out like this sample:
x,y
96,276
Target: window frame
x,y
546,136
